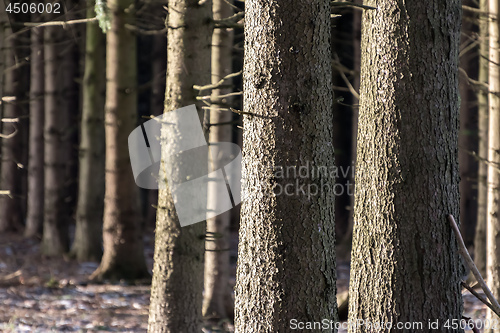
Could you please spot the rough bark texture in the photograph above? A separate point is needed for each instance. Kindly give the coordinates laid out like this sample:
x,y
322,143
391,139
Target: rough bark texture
x,y
88,234
34,220
493,202
56,210
217,295
482,188
123,256
176,291
11,215
405,265
286,255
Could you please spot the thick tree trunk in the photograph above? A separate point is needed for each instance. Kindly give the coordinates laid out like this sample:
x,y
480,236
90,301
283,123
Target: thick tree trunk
x,y
176,291
217,296
88,234
123,256
482,188
286,255
34,219
493,202
405,265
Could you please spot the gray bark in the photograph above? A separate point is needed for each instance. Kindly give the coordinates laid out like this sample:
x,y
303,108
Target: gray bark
x,y
217,296
286,255
405,265
177,287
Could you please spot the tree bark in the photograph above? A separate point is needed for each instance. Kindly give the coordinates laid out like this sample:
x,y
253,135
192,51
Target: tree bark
x,y
56,210
177,287
286,255
482,188
34,220
217,296
493,201
405,265
88,234
123,256
11,215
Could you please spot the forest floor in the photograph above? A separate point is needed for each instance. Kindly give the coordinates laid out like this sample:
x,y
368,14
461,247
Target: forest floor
x,y
40,294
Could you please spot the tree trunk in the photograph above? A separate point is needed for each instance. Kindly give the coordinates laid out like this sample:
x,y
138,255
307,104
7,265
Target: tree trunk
x,y
482,188
217,296
123,256
286,256
11,216
177,287
493,202
60,133
405,265
88,234
56,210
34,219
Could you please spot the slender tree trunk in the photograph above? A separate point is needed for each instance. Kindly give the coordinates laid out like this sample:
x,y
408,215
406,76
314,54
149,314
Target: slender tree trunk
x,y
56,210
34,219
60,130
69,70
11,216
176,291
493,202
405,265
123,256
88,234
482,188
217,296
286,255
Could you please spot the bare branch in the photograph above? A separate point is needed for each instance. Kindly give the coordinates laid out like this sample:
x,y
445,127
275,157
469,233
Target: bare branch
x,y
347,82
59,23
478,296
10,120
230,21
8,136
210,97
218,84
494,165
478,84
477,11
465,254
